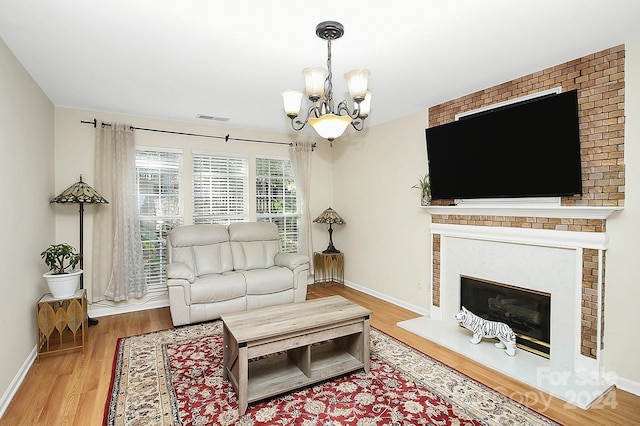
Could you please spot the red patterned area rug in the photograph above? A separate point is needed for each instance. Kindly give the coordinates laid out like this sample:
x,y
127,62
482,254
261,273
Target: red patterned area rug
x,y
174,377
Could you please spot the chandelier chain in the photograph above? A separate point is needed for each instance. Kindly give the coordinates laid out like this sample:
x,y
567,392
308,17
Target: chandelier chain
x,y
328,81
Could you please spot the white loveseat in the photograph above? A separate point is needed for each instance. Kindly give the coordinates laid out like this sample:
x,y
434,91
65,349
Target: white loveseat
x,y
217,269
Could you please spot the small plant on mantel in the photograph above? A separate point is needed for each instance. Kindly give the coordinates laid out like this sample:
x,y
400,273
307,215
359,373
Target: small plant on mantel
x,y
59,257
424,185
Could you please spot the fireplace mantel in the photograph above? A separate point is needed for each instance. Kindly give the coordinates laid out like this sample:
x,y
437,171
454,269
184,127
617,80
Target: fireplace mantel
x,y
537,237
515,210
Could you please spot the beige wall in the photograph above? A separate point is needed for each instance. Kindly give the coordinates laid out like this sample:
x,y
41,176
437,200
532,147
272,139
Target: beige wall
x,y
386,238
26,181
622,297
75,155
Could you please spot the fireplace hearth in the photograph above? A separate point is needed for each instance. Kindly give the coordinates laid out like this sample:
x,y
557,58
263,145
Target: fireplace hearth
x,y
527,312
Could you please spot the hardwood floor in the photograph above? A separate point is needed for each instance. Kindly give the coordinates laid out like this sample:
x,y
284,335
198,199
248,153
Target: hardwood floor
x,y
71,388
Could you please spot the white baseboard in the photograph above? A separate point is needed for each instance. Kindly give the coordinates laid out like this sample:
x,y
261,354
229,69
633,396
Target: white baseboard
x,y
101,309
17,381
386,298
627,385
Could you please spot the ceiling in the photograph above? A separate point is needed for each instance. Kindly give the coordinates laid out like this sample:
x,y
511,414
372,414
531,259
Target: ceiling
x,y
175,59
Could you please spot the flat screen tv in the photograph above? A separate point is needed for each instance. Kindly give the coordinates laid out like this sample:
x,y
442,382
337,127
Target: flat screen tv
x,y
527,149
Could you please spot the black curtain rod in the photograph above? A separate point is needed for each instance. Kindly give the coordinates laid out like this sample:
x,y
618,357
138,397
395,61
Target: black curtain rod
x,y
226,138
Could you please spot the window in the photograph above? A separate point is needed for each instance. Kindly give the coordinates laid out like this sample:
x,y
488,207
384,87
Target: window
x,y
220,195
276,199
158,177
220,189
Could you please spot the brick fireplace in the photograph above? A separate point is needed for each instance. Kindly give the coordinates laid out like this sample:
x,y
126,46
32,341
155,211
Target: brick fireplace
x,y
557,246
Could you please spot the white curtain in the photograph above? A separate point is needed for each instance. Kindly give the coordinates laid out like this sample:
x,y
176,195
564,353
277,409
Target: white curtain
x,y
118,270
300,156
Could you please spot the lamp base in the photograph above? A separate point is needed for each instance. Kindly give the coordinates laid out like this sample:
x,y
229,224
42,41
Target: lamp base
x,y
331,249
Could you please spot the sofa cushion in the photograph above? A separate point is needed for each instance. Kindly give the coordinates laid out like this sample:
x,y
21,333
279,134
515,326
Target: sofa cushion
x,y
266,281
254,254
204,248
213,258
256,301
254,244
253,231
218,287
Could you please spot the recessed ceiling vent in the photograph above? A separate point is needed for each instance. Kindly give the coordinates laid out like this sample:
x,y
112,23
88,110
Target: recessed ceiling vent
x,y
212,118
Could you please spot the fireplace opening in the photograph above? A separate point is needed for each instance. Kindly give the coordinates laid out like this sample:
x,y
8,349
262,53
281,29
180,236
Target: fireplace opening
x,y
527,312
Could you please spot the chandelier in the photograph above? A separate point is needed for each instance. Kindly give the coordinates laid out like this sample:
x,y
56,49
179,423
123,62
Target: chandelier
x,y
329,121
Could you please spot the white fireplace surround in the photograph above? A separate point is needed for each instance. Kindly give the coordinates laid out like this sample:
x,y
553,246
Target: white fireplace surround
x,y
542,260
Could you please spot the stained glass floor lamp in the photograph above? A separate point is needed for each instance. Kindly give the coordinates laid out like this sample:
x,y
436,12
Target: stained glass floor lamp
x,y
81,193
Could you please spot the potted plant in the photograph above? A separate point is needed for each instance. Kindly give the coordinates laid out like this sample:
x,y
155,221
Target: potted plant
x,y
61,281
425,190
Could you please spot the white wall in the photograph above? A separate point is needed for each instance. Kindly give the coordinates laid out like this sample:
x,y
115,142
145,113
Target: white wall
x,y
622,280
75,144
386,238
26,182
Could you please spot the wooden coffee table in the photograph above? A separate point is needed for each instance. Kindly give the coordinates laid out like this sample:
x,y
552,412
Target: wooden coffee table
x,y
314,340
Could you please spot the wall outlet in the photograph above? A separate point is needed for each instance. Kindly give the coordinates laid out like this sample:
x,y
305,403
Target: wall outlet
x,y
420,285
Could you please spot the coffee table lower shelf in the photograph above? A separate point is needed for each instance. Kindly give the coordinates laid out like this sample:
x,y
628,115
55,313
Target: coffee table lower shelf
x,y
280,374
270,351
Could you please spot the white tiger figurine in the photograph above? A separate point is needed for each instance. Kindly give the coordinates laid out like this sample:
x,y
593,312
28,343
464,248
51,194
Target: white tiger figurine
x,y
491,329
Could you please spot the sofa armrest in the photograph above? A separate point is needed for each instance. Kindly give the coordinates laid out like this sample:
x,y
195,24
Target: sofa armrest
x,y
180,271
291,260
179,279
299,265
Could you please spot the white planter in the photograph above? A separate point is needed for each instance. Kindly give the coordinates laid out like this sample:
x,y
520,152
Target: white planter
x,y
63,285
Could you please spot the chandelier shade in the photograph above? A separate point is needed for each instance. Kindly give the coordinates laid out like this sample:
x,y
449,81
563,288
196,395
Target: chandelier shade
x,y
314,79
329,120
365,106
357,83
330,126
292,100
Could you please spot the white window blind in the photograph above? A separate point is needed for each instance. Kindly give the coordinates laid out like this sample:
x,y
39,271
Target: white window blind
x,y
276,199
220,189
158,177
